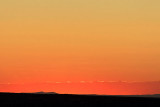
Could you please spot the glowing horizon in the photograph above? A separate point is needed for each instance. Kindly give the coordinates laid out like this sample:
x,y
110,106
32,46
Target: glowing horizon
x,y
86,87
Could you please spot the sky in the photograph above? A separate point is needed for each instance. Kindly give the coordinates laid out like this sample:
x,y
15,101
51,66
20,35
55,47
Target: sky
x,y
86,87
79,40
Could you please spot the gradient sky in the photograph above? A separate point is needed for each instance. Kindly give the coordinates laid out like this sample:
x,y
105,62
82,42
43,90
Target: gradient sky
x,y
79,40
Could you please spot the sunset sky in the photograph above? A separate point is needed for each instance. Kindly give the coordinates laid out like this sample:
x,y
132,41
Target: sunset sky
x,y
79,40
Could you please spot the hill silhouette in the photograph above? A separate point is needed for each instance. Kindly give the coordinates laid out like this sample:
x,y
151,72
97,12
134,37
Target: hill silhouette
x,y
41,92
68,100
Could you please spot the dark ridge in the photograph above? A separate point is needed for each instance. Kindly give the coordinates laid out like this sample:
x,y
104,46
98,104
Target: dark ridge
x,y
70,100
45,92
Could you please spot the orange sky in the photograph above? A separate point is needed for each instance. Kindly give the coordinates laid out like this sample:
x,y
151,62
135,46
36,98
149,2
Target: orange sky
x,y
82,40
87,87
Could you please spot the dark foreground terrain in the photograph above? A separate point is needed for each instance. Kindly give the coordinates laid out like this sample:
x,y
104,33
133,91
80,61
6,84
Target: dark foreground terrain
x,y
64,100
